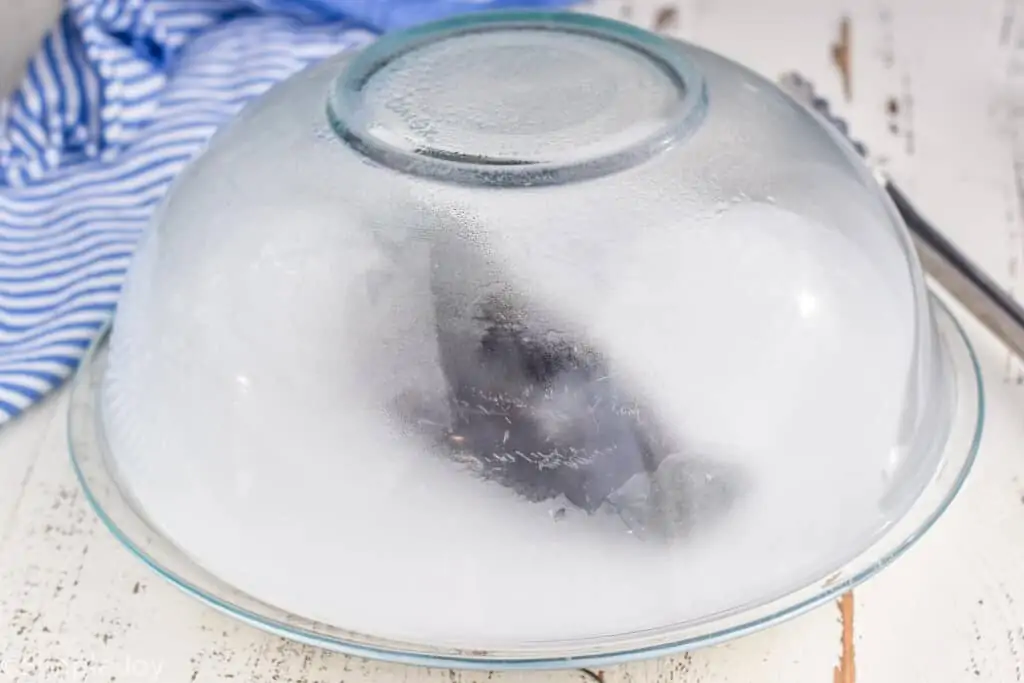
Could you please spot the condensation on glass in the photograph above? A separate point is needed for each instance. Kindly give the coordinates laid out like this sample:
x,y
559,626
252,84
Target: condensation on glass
x,y
523,328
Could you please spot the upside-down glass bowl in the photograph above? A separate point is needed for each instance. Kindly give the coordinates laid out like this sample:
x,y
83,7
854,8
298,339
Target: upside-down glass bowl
x,y
524,339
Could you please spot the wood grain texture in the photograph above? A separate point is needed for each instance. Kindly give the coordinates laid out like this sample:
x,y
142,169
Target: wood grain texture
x,y
846,670
842,58
938,95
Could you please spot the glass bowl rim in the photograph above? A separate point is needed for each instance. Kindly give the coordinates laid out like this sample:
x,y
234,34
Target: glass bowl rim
x,y
88,455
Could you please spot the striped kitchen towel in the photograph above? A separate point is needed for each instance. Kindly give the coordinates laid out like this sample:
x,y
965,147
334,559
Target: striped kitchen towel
x,y
120,96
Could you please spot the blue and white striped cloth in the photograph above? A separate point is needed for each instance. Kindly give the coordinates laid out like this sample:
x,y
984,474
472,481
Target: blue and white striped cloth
x,y
120,96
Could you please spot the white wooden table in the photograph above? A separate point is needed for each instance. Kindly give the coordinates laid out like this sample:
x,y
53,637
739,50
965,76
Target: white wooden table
x,y
933,86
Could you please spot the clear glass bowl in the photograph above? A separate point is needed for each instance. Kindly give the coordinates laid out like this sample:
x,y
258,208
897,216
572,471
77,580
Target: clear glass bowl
x,y
524,339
